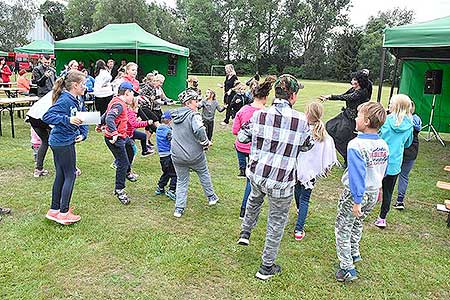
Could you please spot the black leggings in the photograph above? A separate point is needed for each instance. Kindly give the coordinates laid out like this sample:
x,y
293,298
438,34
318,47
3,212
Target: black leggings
x,y
43,134
65,169
146,114
101,104
209,126
388,189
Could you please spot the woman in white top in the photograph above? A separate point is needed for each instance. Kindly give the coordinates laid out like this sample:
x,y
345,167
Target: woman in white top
x,y
103,91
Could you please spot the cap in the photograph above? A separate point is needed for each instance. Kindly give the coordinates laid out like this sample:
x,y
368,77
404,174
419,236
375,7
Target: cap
x,y
127,86
166,115
187,95
287,84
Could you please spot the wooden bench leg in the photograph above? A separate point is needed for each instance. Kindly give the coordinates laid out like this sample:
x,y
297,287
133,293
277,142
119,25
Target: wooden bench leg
x,y
448,220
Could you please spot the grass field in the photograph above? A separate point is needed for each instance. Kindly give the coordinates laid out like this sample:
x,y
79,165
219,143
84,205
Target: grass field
x,y
141,251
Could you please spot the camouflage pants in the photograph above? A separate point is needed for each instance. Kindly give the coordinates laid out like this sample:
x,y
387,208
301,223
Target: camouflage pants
x,y
279,204
348,228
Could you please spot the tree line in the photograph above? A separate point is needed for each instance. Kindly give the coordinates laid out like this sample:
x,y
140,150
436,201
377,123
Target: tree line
x,y
311,39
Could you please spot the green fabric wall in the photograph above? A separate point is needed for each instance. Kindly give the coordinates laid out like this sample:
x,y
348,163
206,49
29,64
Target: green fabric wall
x,y
147,61
412,84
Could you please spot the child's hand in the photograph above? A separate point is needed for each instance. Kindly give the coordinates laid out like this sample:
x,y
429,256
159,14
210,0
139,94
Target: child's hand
x,y
98,128
79,138
150,122
114,139
356,209
75,121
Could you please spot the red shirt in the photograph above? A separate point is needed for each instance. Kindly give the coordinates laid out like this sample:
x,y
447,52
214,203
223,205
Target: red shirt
x,y
133,81
6,73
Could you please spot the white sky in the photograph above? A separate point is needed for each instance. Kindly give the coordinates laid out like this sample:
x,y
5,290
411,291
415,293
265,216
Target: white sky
x,y
425,10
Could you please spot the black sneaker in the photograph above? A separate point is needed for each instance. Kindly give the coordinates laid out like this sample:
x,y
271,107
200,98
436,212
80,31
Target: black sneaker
x,y
132,177
122,196
5,211
244,238
242,213
241,173
265,272
399,206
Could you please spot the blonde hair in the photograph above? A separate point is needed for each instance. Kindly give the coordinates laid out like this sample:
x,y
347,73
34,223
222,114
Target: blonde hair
x,y
129,65
134,104
73,61
314,113
229,69
160,77
212,93
375,112
401,107
149,77
66,83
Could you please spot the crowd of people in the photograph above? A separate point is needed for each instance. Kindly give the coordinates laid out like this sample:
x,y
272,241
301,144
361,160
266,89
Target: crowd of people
x,y
281,152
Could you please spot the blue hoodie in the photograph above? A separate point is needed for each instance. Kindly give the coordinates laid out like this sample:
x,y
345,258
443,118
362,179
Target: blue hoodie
x,y
63,133
398,138
163,138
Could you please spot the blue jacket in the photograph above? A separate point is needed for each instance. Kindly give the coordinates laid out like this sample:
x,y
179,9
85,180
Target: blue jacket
x,y
63,133
90,83
163,138
398,138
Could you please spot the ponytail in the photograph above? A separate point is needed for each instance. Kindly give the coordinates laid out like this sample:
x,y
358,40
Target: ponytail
x,y
318,132
314,113
65,83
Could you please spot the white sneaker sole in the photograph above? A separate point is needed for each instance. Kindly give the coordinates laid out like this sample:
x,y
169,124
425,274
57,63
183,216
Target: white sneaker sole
x,y
214,202
177,215
243,241
262,276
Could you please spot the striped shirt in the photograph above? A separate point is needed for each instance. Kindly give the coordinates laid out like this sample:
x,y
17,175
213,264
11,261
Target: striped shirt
x,y
277,134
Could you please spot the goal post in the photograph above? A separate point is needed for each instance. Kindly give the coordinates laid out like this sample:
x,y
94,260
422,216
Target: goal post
x,y
215,67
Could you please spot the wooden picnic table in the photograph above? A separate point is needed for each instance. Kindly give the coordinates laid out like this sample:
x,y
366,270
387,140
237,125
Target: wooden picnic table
x,y
10,91
9,104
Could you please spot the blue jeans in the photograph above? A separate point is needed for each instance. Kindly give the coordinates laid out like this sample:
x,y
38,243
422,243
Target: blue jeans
x,y
242,159
122,155
403,179
248,189
302,196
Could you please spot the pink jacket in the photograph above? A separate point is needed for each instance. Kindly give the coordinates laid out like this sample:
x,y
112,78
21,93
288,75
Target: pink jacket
x,y
133,81
133,123
243,115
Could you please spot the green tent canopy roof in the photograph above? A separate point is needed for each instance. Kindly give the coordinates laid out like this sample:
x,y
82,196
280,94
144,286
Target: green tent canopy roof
x,y
36,47
3,53
435,33
121,36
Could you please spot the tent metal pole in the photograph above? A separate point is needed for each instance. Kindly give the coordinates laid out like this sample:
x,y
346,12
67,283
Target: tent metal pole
x,y
400,79
394,79
137,53
380,84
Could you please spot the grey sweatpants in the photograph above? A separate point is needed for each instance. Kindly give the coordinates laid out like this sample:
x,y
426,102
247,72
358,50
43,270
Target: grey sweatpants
x,y
182,170
279,204
348,228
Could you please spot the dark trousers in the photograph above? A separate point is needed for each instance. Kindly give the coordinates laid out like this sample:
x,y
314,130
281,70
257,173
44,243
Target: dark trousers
x,y
145,113
42,151
388,189
122,155
65,169
139,135
168,173
101,103
209,126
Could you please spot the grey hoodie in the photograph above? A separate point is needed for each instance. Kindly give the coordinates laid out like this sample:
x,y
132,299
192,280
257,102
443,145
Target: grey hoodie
x,y
188,136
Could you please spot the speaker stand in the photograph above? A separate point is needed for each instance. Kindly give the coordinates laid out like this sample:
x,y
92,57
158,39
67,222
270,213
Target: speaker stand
x,y
431,127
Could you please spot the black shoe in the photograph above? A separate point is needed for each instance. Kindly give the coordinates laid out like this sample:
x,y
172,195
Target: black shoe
x,y
265,272
244,238
242,213
242,172
399,206
5,211
123,198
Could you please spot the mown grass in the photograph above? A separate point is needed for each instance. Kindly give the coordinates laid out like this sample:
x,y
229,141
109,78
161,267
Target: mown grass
x,y
141,252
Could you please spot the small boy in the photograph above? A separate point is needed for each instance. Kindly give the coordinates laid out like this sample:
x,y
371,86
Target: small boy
x,y
189,142
163,138
367,161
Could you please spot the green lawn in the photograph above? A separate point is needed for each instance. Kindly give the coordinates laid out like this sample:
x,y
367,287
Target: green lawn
x,y
141,251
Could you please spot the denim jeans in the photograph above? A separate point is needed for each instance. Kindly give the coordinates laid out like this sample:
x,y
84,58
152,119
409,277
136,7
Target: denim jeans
x,y
248,189
121,155
302,196
403,179
168,173
65,161
242,159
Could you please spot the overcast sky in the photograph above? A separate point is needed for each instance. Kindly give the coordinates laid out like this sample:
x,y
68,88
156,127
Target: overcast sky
x,y
425,10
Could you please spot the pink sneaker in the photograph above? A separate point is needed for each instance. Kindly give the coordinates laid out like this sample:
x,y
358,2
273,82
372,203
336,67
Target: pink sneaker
x,y
299,235
52,214
67,218
380,223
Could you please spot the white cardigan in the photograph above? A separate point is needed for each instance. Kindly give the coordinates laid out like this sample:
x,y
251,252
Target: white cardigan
x,y
102,84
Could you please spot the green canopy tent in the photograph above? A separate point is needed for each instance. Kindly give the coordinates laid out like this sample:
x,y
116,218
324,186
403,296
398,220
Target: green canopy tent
x,y
3,53
421,47
132,43
36,47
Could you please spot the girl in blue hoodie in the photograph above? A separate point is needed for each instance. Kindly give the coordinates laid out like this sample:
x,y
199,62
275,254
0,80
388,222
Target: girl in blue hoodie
x,y
397,132
66,131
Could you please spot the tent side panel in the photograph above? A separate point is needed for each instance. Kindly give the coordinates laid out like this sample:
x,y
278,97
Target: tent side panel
x,y
412,84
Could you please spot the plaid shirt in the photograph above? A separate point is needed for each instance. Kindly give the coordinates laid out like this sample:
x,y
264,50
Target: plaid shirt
x,y
278,134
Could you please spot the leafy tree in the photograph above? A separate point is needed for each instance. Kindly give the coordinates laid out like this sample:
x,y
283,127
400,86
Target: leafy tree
x,y
54,15
165,23
120,11
343,55
79,16
12,32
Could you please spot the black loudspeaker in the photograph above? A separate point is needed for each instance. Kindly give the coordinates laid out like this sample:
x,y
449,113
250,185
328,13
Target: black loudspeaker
x,y
433,82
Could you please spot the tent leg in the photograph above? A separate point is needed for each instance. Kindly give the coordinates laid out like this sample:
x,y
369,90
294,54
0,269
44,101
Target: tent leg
x,y
380,85
394,79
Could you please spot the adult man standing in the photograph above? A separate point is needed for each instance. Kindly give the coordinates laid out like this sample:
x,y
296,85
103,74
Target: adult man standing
x,y
44,76
277,134
110,64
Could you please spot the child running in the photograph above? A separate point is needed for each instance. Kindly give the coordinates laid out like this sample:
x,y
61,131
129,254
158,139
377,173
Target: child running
x,y
367,157
398,134
133,124
312,165
409,157
65,133
209,107
163,139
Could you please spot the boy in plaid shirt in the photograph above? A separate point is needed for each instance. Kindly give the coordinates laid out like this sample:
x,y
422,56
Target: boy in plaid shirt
x,y
277,134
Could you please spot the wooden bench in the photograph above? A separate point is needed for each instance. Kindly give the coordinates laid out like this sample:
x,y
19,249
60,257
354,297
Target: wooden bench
x,y
447,168
441,207
443,185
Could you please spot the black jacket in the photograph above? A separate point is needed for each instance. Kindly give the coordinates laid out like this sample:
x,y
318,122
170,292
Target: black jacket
x,y
44,83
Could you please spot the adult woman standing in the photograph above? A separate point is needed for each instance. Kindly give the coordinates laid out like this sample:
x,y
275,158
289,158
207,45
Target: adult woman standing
x,y
342,127
66,131
103,91
5,71
228,93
